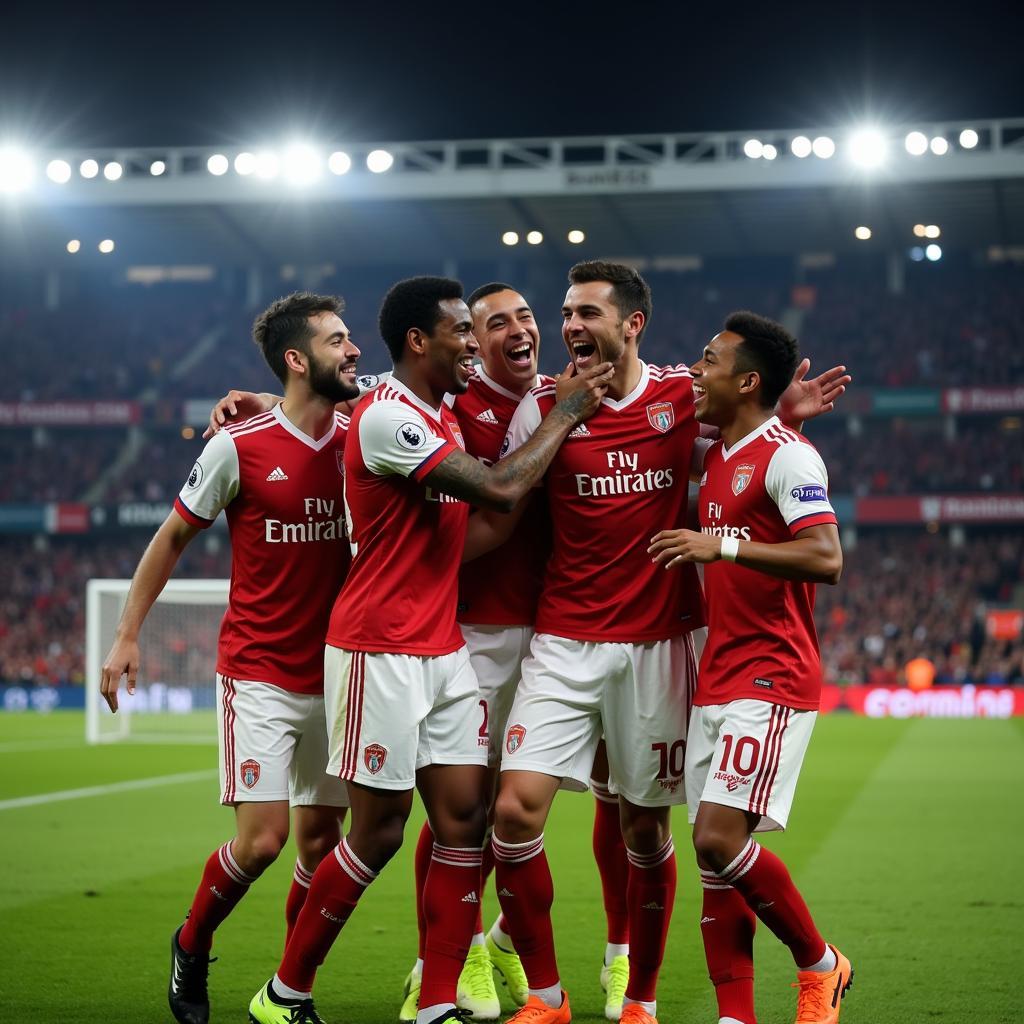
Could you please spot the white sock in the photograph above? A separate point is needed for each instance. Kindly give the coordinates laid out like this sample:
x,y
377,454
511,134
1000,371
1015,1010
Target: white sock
x,y
502,938
827,963
614,949
651,1008
417,968
430,1013
729,1020
478,939
549,996
290,994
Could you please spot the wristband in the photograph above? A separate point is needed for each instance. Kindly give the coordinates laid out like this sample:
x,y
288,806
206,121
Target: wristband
x,y
730,548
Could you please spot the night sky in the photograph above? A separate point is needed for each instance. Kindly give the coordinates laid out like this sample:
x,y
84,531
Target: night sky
x,y
113,74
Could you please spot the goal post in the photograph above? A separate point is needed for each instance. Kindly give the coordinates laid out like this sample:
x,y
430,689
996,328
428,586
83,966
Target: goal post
x,y
175,698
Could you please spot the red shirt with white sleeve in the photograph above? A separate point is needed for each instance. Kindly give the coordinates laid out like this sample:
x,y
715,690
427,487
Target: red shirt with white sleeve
x,y
502,587
281,492
406,538
619,478
762,644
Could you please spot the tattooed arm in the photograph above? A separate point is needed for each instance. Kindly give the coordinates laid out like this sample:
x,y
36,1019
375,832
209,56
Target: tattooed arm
x,y
505,483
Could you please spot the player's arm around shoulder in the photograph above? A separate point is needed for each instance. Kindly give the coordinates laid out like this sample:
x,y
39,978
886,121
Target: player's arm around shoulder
x,y
509,480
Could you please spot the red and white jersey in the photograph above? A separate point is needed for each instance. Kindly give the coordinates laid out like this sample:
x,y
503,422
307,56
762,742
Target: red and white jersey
x,y
619,478
282,493
500,588
406,539
761,639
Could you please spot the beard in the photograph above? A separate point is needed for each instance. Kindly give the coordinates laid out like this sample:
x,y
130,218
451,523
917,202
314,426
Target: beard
x,y
326,383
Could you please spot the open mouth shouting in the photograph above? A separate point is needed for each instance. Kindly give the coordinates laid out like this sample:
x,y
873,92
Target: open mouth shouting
x,y
520,355
465,367
584,353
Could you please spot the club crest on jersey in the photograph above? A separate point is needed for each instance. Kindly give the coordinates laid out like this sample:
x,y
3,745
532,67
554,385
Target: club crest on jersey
x,y
458,436
195,478
742,477
505,445
250,772
515,738
411,436
340,456
374,757
661,416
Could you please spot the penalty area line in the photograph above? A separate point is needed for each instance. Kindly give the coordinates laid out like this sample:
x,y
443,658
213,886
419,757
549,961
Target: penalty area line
x,y
113,787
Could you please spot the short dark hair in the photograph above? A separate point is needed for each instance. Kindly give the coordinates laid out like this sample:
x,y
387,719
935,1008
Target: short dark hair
x,y
488,289
284,324
631,291
414,302
767,348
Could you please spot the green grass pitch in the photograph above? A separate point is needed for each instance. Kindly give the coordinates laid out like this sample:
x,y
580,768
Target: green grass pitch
x,y
903,839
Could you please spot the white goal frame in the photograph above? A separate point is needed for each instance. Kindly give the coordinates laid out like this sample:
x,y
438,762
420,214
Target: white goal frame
x,y
182,591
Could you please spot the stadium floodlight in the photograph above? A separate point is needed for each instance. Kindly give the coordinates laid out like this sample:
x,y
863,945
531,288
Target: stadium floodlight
x,y
339,163
939,145
753,149
106,246
217,164
863,232
245,164
968,138
576,237
112,170
919,230
88,168
15,170
59,171
801,146
302,164
823,147
379,161
916,254
933,252
157,167
868,147
916,143
534,237
932,231
510,238
769,152
73,246
267,164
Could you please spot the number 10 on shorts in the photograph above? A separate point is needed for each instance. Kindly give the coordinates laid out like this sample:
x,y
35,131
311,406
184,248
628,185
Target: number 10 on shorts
x,y
671,758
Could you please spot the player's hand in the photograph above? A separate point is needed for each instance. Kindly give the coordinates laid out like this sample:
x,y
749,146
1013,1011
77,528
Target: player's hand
x,y
805,399
580,394
235,405
123,659
673,547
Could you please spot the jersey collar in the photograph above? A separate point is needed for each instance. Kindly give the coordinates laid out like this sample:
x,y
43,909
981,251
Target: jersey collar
x,y
772,421
315,444
427,410
495,386
627,400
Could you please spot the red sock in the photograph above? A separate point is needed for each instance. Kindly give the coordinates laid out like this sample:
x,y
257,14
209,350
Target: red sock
x,y
764,882
651,894
451,902
486,867
612,866
421,865
526,893
727,927
337,884
296,899
224,884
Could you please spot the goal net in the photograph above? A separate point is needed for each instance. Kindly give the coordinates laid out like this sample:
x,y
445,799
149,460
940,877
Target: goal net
x,y
175,695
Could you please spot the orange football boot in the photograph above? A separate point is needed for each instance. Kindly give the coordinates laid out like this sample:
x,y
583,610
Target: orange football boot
x,y
821,993
536,1011
634,1013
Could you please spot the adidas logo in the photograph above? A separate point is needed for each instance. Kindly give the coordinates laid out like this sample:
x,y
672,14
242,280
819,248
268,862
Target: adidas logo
x,y
487,416
707,920
277,474
653,905
580,431
471,897
504,892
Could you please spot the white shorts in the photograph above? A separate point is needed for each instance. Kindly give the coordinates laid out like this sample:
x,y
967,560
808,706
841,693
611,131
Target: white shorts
x,y
391,714
747,754
273,746
496,654
637,695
